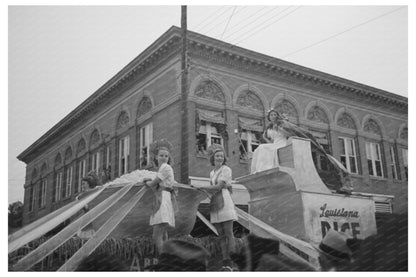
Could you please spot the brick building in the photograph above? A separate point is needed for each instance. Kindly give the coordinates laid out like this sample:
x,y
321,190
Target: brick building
x,y
230,90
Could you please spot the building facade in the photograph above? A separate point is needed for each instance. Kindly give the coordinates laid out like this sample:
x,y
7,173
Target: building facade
x,y
229,91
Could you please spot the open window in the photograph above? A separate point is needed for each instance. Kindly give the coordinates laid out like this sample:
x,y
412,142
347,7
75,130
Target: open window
x,y
250,131
211,129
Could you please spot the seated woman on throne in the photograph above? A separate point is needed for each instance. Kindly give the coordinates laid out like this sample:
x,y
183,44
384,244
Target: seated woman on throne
x,y
277,134
265,156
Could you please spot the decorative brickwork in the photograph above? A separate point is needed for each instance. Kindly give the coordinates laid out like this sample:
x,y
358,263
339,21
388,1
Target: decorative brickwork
x,y
123,120
287,108
317,114
81,146
95,138
144,107
249,99
371,126
58,159
43,169
68,154
346,121
210,90
403,134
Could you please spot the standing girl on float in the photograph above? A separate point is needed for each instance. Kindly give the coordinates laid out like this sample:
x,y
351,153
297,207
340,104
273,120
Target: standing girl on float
x,y
222,212
164,204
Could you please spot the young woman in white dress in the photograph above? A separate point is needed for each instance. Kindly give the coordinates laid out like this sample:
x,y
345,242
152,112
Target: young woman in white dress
x,y
265,156
222,212
164,204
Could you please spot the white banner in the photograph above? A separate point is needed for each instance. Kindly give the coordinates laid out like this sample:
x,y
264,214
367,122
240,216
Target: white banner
x,y
352,215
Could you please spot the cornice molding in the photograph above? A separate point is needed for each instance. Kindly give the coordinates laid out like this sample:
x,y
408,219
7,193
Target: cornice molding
x,y
256,63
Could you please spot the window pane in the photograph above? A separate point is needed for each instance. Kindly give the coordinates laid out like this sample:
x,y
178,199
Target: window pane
x,y
344,161
215,140
370,167
404,151
351,147
243,150
341,141
368,150
201,143
377,151
378,168
353,167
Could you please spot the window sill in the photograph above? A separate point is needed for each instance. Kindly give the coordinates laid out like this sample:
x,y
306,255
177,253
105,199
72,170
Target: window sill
x,y
378,178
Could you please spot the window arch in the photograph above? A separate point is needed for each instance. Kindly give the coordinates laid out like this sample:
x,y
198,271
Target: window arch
x,y
371,126
123,120
95,137
58,160
81,146
317,114
43,169
404,133
249,99
346,121
68,154
284,106
210,90
144,106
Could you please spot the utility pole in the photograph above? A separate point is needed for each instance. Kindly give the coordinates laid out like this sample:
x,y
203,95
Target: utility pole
x,y
184,154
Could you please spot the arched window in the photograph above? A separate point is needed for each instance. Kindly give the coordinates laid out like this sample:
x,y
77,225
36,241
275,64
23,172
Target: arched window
x,y
210,90
144,107
317,114
81,146
346,121
287,108
68,154
58,160
373,149
403,134
249,99
371,126
123,120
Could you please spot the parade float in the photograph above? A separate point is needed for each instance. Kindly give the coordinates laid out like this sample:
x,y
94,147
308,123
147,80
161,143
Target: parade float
x,y
290,203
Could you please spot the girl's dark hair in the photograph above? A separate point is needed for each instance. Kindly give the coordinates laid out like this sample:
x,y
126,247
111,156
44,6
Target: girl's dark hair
x,y
212,158
273,111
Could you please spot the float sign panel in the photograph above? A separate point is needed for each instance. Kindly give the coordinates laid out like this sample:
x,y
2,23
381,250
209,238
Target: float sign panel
x,y
352,215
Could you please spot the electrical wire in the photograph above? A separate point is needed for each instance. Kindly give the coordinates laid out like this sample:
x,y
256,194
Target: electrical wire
x,y
213,19
250,21
228,22
340,33
261,29
217,10
261,24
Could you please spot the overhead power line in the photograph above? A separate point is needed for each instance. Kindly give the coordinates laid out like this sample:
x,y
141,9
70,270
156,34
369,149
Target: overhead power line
x,y
217,10
220,22
228,21
251,22
213,19
340,33
264,27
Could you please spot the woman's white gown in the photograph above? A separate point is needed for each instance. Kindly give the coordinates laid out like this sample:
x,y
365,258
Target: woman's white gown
x,y
265,156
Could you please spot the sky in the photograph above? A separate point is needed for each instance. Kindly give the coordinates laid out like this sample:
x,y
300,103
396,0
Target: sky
x,y
59,55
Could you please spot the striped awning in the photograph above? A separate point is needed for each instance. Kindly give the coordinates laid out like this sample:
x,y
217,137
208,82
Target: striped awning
x,y
210,116
250,124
